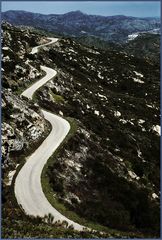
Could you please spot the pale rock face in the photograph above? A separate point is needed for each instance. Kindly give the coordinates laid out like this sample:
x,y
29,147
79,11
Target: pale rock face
x,y
71,196
138,74
96,112
123,121
141,121
157,129
25,126
133,175
149,106
88,107
100,76
16,144
86,133
6,59
61,113
117,114
139,153
132,36
154,195
10,177
102,96
138,80
7,129
5,48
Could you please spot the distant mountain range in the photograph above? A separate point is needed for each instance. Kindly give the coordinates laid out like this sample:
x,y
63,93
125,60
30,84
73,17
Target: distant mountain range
x,y
78,24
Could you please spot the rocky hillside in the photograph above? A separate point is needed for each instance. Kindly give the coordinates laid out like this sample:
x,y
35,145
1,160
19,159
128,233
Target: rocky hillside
x,y
144,45
107,172
116,98
23,127
22,123
78,24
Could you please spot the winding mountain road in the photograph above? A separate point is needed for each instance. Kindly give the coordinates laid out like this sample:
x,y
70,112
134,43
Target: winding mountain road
x,y
35,49
50,73
28,189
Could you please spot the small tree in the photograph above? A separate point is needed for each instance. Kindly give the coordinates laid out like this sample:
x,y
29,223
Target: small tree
x,y
65,224
50,218
71,227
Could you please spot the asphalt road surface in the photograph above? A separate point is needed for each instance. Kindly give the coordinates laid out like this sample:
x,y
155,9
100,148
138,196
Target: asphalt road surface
x,y
28,189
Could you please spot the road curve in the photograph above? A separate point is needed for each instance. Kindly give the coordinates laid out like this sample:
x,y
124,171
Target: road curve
x,y
35,49
50,73
28,189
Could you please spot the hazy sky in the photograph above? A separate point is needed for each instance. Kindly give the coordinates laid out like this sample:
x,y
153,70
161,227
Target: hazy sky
x,y
109,8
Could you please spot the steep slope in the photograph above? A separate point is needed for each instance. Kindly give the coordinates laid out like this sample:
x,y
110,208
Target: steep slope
x,y
32,199
145,45
108,171
116,98
111,28
23,130
23,126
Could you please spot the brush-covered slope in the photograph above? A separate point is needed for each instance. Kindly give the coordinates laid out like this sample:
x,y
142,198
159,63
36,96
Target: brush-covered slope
x,y
108,171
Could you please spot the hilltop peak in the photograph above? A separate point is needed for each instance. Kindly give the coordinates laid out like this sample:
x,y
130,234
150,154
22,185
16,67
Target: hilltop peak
x,y
77,12
75,23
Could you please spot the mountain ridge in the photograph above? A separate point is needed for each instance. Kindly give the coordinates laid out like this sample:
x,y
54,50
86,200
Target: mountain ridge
x,y
81,13
75,23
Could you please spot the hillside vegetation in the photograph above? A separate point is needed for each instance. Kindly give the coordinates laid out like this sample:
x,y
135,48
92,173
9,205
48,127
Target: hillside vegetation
x,y
107,172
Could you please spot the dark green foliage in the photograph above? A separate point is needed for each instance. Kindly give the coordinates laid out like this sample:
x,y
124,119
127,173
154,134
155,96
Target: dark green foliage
x,y
106,194
107,147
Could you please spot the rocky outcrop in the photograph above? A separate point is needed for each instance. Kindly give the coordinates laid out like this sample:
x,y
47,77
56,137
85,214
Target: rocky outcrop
x,y
22,125
16,60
